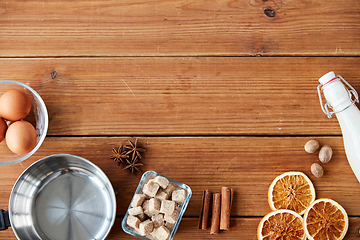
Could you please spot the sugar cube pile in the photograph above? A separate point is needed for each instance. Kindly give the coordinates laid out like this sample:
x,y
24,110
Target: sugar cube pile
x,y
155,210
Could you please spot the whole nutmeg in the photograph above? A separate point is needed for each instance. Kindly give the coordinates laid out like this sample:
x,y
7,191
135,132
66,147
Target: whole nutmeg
x,y
317,170
311,146
325,154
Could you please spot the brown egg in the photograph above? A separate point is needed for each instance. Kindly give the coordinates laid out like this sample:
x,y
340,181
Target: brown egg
x,y
14,105
3,127
21,137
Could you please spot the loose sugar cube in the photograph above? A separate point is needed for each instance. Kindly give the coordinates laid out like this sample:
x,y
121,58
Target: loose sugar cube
x,y
162,181
168,225
136,211
145,207
158,220
161,195
138,199
146,227
167,207
133,221
142,217
161,233
153,181
154,206
179,195
169,189
151,188
171,218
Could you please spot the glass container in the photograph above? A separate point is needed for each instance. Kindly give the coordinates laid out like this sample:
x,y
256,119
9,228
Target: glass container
x,y
181,209
38,116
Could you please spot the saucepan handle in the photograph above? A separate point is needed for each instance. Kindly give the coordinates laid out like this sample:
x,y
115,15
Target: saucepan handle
x,y
4,220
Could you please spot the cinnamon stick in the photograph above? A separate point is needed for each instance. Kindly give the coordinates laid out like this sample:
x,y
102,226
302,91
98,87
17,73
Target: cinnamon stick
x,y
216,208
207,201
205,208
201,211
226,202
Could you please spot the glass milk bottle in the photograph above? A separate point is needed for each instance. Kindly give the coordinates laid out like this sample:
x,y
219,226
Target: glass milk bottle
x,y
338,94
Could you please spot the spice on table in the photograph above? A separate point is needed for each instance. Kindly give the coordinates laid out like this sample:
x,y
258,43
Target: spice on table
x,y
130,154
133,165
221,208
317,170
311,146
325,154
226,202
119,155
216,208
201,211
134,149
205,209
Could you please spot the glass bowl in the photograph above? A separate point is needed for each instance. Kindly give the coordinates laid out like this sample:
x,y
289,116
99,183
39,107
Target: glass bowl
x,y
38,116
181,209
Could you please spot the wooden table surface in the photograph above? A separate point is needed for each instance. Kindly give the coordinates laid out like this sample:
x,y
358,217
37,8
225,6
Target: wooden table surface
x,y
219,92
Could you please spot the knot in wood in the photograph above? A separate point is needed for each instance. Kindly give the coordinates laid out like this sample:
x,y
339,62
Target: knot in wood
x,y
53,74
269,12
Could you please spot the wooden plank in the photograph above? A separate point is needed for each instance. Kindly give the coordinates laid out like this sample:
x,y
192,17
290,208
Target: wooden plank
x,y
179,28
182,96
244,227
246,164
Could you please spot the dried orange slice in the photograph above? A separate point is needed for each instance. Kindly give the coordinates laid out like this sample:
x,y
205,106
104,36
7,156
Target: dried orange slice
x,y
325,219
291,190
281,224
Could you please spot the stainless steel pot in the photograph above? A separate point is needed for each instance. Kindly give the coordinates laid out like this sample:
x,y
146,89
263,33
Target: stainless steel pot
x,y
62,197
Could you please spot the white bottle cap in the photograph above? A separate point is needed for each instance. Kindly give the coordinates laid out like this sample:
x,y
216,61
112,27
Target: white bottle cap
x,y
327,77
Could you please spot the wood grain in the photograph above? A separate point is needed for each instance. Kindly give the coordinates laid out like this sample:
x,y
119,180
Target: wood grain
x,y
38,28
182,96
219,92
241,227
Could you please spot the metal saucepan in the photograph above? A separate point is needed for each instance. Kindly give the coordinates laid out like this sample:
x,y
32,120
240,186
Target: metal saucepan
x,y
61,197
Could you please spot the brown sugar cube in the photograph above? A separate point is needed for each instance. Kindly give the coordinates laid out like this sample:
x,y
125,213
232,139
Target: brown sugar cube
x,y
142,217
171,218
138,199
151,180
151,188
170,188
167,207
146,227
179,196
136,211
161,233
154,206
133,221
145,207
161,195
168,225
158,220
162,181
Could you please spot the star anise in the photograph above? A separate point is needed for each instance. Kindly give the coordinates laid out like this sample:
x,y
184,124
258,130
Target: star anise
x,y
134,149
119,155
133,165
